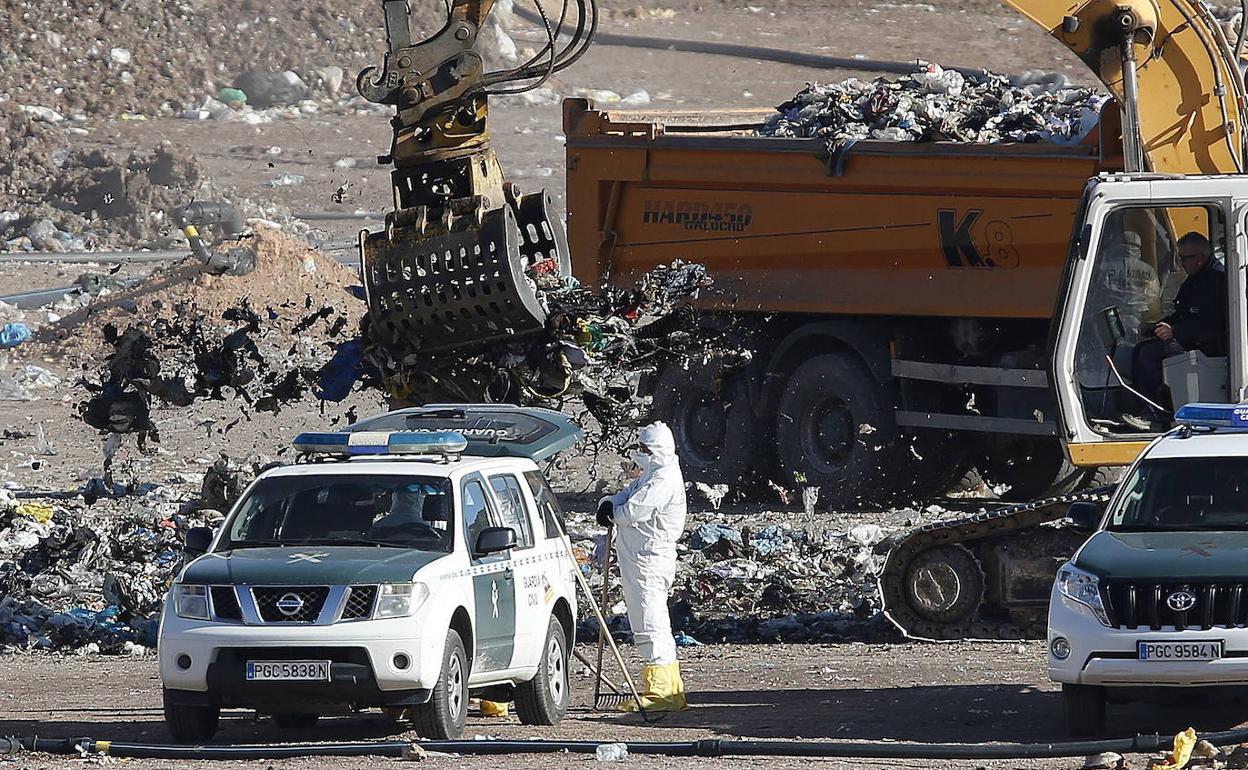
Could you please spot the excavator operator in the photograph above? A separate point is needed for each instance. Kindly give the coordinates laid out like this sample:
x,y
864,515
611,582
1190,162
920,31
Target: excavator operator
x,y
1197,323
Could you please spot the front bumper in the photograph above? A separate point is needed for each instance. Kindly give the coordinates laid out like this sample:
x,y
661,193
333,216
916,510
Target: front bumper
x,y
364,668
1109,656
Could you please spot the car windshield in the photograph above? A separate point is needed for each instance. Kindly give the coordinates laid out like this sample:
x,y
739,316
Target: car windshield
x,y
383,511
1185,494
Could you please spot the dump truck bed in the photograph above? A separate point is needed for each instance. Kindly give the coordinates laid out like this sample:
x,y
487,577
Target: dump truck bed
x,y
784,225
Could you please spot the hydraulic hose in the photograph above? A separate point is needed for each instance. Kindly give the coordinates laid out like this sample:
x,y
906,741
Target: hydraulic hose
x,y
1141,744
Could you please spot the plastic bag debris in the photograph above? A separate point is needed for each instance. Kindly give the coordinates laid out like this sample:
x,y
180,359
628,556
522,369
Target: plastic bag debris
x,y
935,104
611,752
13,334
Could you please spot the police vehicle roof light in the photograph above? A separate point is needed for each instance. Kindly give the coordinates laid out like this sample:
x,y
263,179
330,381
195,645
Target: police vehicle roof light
x,y
381,443
1233,416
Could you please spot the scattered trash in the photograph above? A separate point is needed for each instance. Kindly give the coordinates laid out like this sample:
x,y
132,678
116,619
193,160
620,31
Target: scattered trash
x,y
611,752
287,180
935,104
1108,760
272,89
13,334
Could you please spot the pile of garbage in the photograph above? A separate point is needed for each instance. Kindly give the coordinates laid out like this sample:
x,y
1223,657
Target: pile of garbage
x,y
772,583
147,57
935,104
181,336
57,199
592,355
76,578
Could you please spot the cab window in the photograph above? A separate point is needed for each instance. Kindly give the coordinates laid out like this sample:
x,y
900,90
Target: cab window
x,y
513,511
477,518
547,504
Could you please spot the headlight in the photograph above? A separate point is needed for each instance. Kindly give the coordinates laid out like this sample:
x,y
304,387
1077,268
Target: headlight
x,y
191,602
1084,588
397,600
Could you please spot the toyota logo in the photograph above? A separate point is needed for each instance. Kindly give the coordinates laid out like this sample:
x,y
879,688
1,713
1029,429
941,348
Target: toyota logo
x,y
1181,601
290,604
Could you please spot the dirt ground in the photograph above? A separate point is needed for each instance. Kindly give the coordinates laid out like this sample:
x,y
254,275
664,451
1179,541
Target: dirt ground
x,y
918,693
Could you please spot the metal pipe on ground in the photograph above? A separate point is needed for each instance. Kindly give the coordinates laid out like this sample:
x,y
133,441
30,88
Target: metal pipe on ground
x,y
1140,744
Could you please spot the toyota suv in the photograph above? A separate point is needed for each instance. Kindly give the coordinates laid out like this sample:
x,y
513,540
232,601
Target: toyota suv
x,y
1156,597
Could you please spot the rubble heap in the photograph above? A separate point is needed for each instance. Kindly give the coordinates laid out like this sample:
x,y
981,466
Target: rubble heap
x,y
773,583
258,340
595,349
74,578
53,198
144,56
935,104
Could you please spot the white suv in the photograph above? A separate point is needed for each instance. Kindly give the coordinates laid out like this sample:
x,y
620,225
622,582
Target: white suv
x,y
1158,595
400,565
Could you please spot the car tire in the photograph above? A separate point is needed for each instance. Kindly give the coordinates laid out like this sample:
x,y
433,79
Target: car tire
x,y
296,721
190,723
543,700
1084,709
443,717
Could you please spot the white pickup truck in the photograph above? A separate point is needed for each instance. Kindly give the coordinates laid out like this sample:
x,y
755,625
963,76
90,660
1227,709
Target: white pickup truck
x,y
407,563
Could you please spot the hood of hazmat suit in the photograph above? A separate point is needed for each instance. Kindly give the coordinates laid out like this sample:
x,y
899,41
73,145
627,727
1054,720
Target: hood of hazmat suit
x,y
649,517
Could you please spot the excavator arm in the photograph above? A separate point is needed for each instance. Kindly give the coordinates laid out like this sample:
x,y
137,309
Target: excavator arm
x,y
453,266
1182,87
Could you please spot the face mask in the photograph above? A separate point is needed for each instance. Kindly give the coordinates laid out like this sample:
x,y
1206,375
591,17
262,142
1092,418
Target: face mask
x,y
641,460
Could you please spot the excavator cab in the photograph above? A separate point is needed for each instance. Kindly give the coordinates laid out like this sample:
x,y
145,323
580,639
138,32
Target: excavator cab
x,y
1117,382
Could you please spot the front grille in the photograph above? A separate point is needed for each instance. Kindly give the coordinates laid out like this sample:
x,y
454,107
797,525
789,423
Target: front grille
x,y
359,602
1133,605
225,603
310,601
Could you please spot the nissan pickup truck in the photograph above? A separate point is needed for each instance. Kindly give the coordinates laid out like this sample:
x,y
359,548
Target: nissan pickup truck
x,y
409,563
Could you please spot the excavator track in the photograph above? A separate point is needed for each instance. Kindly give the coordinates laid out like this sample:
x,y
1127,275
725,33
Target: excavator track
x,y
932,582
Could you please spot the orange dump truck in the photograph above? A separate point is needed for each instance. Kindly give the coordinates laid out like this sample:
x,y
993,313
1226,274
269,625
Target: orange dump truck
x,y
896,297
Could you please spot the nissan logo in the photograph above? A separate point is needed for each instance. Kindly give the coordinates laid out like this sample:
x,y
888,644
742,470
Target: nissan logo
x,y
1181,601
290,604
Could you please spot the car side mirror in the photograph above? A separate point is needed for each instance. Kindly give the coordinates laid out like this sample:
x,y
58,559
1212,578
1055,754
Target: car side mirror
x,y
495,539
198,541
1084,516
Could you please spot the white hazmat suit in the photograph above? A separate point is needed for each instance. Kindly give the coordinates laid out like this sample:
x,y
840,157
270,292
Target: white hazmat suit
x,y
649,518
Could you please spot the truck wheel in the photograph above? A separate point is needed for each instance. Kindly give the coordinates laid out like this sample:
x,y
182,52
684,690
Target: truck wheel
x,y
834,426
543,700
1031,467
1084,708
945,584
296,721
708,410
443,717
190,723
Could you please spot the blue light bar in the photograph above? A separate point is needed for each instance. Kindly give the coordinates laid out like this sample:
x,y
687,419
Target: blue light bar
x,y
381,442
1233,416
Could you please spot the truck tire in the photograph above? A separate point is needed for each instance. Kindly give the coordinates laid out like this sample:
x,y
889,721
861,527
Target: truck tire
x,y
443,717
1031,468
708,410
190,723
835,429
1084,709
543,700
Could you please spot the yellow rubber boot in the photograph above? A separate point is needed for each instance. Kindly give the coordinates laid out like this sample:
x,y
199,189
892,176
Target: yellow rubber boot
x,y
662,689
491,708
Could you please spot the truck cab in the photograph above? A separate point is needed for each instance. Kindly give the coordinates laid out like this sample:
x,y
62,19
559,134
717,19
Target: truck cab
x,y
401,564
1155,598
